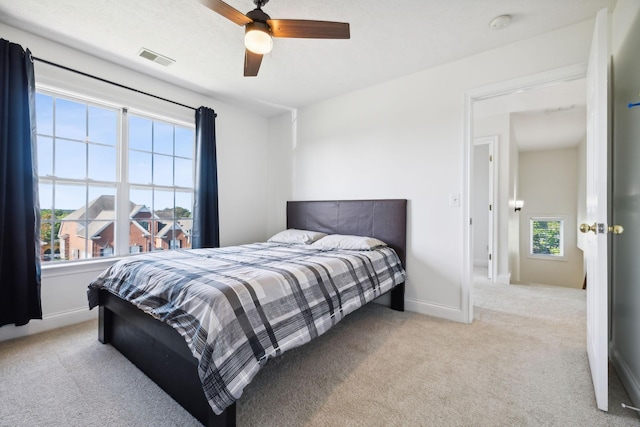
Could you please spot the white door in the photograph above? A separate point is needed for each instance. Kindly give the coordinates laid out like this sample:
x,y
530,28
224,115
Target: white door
x,y
596,254
483,203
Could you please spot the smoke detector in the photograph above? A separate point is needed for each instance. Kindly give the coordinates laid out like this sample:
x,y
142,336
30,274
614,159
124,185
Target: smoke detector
x,y
155,57
500,22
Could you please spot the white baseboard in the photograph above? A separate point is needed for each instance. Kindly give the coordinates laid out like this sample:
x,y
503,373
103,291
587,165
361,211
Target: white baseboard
x,y
504,278
48,322
630,382
435,310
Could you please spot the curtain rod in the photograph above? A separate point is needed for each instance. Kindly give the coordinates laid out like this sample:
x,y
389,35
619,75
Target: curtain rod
x,y
110,82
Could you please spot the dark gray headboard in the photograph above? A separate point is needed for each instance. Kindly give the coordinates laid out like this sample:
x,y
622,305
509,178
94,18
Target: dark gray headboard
x,y
383,219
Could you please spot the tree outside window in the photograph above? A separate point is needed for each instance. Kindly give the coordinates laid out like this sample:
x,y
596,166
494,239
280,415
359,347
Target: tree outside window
x,y
546,237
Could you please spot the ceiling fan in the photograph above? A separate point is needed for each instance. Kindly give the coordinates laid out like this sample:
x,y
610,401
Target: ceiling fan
x,y
260,28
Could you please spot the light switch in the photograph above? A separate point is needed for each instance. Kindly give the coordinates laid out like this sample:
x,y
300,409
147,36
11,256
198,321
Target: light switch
x,y
454,200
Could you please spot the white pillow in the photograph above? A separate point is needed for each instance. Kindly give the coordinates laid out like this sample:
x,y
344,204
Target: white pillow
x,y
294,236
344,241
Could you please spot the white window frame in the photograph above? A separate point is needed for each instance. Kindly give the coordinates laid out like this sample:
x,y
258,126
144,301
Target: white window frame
x,y
559,218
121,246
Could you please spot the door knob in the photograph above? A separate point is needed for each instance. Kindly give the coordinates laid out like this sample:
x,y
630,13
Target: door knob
x,y
585,228
616,229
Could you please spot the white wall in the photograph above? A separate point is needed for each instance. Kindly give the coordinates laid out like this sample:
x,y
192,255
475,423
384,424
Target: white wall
x,y
404,139
548,181
242,139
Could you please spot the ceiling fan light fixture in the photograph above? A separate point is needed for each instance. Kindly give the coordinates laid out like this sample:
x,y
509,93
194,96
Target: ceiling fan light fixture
x,y
257,38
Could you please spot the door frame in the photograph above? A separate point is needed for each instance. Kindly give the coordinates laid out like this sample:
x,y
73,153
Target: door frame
x,y
492,142
563,74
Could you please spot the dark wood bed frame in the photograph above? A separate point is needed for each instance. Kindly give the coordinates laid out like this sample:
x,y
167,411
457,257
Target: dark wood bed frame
x,y
163,355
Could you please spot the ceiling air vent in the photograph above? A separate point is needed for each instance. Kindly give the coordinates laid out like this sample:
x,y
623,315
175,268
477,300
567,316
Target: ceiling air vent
x,y
155,57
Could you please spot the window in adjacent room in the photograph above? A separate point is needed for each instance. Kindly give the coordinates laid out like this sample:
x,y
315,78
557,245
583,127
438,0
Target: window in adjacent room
x,y
94,179
546,237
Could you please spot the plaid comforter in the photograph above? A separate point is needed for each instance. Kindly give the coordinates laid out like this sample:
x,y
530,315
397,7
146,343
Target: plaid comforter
x,y
238,306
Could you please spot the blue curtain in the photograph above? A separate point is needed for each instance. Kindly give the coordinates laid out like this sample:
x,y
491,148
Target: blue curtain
x,y
205,231
19,206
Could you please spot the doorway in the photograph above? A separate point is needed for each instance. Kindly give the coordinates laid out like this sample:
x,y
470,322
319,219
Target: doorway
x,y
507,243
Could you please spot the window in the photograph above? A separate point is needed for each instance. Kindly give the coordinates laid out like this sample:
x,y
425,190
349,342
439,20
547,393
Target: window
x,y
546,237
106,252
94,179
161,182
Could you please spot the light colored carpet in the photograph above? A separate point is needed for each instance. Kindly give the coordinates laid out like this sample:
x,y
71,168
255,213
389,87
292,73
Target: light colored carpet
x,y
377,367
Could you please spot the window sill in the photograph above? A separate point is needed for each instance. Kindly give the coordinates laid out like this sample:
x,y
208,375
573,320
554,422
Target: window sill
x,y
547,257
53,269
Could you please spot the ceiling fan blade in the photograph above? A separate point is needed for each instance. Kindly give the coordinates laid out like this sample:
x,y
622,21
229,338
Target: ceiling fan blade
x,y
227,11
304,29
252,63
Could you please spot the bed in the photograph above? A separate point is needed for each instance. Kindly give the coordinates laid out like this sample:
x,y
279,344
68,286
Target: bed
x,y
164,355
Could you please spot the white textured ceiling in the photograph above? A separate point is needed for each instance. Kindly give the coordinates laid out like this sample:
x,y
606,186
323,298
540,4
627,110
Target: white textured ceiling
x,y
549,117
389,39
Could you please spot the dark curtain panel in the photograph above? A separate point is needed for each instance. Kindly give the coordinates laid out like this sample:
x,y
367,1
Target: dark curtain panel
x,y
206,232
19,206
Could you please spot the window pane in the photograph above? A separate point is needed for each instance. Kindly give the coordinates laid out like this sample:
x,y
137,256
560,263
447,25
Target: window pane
x,y
163,204
162,170
45,194
139,133
50,226
73,236
44,115
143,197
47,234
102,203
158,227
140,167
71,198
185,226
140,235
45,156
103,125
184,204
184,142
71,160
184,172
50,249
58,248
170,237
101,238
162,138
71,119
102,163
